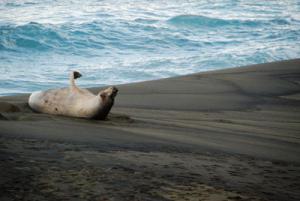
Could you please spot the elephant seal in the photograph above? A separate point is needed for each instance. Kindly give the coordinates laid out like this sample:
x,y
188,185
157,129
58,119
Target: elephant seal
x,y
73,101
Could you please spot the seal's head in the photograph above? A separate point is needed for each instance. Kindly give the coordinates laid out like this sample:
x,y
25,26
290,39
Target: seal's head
x,y
108,94
107,98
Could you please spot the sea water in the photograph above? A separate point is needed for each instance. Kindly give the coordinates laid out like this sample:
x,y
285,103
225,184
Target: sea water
x,y
121,41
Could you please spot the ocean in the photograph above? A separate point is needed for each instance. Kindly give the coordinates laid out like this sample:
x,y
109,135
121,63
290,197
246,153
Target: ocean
x,y
122,41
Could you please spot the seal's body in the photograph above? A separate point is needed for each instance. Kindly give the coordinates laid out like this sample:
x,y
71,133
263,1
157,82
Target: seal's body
x,y
73,101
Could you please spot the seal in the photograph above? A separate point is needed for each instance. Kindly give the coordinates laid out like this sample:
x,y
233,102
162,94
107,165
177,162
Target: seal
x,y
74,101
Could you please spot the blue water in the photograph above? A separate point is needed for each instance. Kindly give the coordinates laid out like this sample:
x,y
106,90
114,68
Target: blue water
x,y
122,41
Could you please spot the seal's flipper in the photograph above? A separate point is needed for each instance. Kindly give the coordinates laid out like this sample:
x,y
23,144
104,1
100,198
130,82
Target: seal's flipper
x,y
76,74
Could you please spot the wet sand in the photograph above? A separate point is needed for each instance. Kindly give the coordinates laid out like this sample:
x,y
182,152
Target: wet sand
x,y
232,134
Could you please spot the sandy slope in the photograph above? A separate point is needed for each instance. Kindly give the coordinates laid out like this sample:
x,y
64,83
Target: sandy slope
x,y
223,135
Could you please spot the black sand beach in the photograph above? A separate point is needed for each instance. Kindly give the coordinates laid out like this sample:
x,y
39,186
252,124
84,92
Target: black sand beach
x,y
232,134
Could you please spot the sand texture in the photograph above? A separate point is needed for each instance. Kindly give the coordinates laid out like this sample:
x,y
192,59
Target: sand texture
x,y
232,134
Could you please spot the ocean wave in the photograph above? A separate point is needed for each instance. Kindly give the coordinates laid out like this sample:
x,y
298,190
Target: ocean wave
x,y
32,36
68,38
203,21
75,39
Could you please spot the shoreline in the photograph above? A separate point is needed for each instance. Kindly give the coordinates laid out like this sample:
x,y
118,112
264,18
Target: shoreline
x,y
225,134
166,78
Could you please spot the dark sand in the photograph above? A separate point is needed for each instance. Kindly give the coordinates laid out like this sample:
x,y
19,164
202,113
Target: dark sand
x,y
223,135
